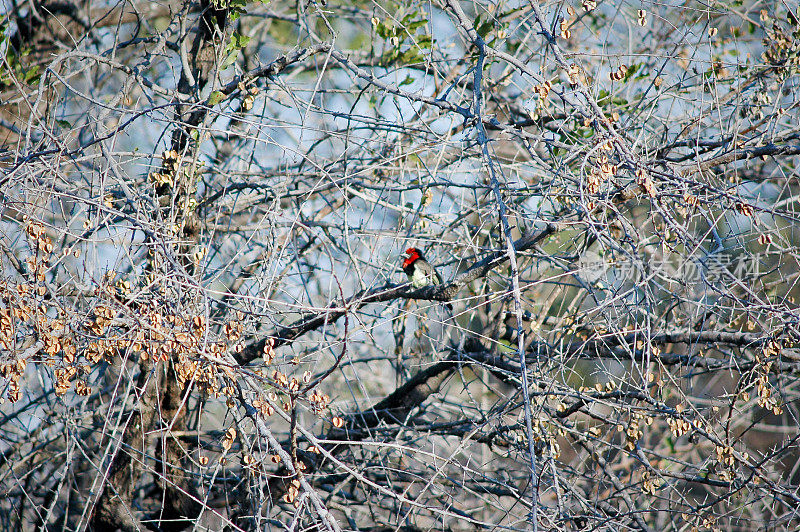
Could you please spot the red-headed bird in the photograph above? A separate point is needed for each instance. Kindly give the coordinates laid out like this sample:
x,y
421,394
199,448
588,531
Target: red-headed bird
x,y
419,271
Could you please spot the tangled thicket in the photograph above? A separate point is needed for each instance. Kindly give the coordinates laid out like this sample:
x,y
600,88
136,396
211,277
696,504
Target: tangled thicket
x,y
203,322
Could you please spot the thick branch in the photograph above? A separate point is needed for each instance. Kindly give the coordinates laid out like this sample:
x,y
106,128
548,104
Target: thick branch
x,y
389,292
741,154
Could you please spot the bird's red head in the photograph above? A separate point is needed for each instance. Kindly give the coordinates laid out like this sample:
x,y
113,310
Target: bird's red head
x,y
412,256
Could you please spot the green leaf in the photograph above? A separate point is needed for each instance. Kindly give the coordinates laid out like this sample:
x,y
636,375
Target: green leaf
x,y
389,56
413,26
408,81
63,124
32,75
410,56
237,42
383,30
243,40
632,69
231,59
424,41
484,29
215,97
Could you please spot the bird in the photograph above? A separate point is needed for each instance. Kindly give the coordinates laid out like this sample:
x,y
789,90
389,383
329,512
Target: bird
x,y
419,271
